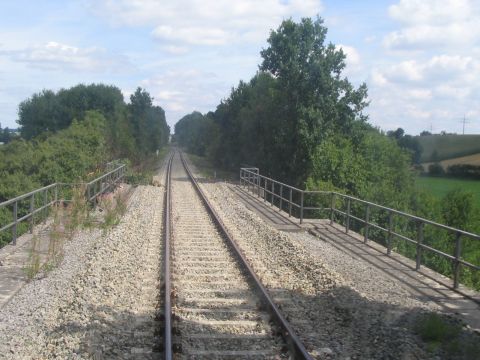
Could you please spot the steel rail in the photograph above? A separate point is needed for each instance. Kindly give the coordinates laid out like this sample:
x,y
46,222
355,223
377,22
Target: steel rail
x,y
167,305
293,342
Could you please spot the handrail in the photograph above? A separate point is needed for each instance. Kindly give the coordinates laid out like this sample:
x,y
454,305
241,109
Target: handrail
x,y
93,188
413,217
253,182
24,196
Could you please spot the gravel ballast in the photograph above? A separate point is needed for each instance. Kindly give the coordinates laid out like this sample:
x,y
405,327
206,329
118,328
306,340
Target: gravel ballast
x,y
101,301
216,312
341,307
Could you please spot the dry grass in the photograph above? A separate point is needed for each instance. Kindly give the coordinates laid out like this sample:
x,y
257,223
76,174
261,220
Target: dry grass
x,y
113,207
32,268
464,160
67,219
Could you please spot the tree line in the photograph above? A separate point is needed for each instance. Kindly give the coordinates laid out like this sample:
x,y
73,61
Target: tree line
x,y
300,120
6,135
67,134
132,130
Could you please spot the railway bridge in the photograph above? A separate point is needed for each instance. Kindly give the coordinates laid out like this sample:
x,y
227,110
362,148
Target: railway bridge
x,y
256,270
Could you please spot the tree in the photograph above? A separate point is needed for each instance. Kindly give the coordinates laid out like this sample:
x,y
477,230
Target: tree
x,y
148,122
6,135
194,131
38,114
48,111
458,208
407,142
319,101
140,103
131,131
397,134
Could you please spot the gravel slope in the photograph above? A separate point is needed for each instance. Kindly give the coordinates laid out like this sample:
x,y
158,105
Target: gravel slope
x,y
101,302
365,317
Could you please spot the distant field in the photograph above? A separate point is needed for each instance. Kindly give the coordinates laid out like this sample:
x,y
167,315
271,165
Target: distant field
x,y
448,146
463,160
439,187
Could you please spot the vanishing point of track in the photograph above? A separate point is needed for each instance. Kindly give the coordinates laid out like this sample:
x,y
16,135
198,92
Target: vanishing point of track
x,y
215,307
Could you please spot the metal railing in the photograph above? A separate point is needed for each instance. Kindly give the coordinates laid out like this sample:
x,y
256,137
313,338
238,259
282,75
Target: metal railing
x,y
38,201
288,198
265,187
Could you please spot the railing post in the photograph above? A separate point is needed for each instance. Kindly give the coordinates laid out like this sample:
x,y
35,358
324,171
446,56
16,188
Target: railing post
x,y
240,175
301,207
281,197
419,244
265,190
257,183
56,194
389,235
367,216
94,195
347,220
32,208
457,264
332,208
45,201
15,217
273,192
290,203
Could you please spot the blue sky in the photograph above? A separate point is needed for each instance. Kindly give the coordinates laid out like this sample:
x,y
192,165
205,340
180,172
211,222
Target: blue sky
x,y
419,58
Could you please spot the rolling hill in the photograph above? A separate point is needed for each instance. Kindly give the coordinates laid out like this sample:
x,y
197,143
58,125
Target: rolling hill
x,y
445,147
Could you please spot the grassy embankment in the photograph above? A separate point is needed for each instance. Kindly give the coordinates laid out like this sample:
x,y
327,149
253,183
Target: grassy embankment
x,y
440,186
210,172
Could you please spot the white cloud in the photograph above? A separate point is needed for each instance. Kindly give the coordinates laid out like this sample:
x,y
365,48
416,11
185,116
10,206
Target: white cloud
x,y
182,91
56,56
416,94
192,35
167,95
439,69
430,11
352,60
377,78
353,57
176,50
419,94
433,24
205,22
421,37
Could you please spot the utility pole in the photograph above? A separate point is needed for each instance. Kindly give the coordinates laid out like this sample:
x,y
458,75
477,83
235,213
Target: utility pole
x,y
464,121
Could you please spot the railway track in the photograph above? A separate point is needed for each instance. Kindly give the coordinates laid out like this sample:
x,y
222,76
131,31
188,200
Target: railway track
x,y
214,305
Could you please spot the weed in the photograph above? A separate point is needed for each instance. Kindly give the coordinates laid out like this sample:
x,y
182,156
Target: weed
x,y
77,212
114,207
444,334
33,266
434,328
56,238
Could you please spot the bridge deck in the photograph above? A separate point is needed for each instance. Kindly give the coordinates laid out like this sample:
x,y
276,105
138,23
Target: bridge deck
x,y
425,284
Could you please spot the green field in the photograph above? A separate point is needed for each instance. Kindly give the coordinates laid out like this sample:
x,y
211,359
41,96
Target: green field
x,y
442,147
441,186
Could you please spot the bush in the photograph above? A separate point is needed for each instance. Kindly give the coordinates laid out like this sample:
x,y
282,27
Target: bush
x,y
464,171
436,169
